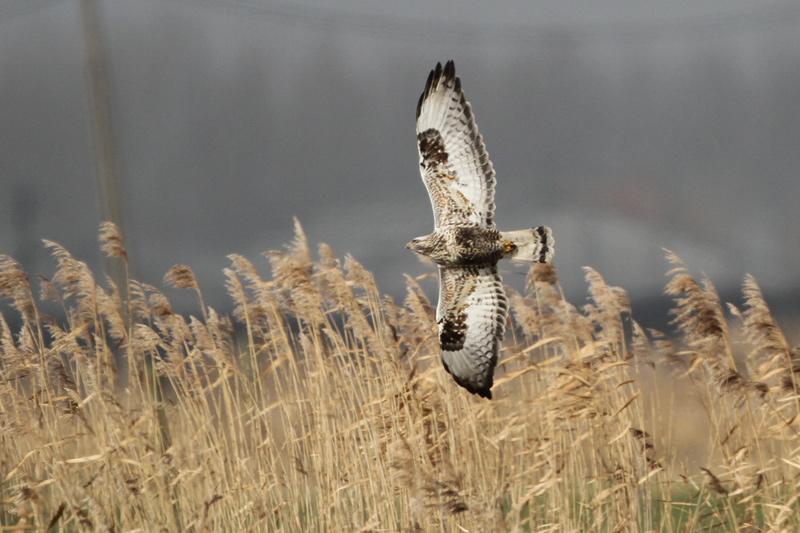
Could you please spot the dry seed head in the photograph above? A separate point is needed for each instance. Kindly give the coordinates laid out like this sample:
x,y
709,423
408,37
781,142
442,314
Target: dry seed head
x,y
10,357
417,302
12,277
697,311
137,299
327,259
56,516
109,309
159,304
111,241
73,276
360,275
607,297
714,482
300,244
181,277
791,378
145,339
759,324
246,270
543,273
237,293
610,303
14,285
524,315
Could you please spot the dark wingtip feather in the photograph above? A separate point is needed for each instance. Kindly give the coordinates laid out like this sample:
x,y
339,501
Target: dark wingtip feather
x,y
448,73
433,77
449,70
484,393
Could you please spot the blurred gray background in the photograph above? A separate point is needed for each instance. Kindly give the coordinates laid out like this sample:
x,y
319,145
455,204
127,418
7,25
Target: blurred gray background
x,y
627,126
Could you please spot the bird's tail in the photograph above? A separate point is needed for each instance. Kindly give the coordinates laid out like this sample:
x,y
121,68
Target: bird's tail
x,y
534,244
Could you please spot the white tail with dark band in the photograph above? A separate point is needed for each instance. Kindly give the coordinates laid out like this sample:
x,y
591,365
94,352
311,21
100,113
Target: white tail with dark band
x,y
534,244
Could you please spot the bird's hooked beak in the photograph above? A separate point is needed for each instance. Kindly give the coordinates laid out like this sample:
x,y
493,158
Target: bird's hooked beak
x,y
413,244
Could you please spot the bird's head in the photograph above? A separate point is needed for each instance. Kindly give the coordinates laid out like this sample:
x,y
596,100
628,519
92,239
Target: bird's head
x,y
421,245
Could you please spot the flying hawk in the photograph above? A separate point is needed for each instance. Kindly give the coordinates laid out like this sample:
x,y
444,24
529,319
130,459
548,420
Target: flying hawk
x,y
465,243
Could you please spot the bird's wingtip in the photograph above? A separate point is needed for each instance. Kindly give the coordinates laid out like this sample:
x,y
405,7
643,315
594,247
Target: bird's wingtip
x,y
484,393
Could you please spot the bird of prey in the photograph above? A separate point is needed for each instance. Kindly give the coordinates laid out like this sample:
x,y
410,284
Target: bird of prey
x,y
465,243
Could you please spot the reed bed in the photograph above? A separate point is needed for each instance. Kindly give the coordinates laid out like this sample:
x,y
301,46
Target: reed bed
x,y
320,405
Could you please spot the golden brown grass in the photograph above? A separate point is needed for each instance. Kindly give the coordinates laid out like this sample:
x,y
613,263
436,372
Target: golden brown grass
x,y
321,406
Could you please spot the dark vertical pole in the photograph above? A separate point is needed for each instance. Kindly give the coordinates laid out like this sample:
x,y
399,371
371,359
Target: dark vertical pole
x,y
102,139
103,149
106,171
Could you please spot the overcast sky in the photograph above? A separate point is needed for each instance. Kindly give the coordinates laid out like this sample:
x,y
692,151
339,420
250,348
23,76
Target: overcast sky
x,y
627,126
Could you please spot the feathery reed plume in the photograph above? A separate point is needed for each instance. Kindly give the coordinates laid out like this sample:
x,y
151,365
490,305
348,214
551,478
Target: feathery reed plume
x,y
181,277
14,286
609,304
158,303
417,302
767,337
553,316
524,315
108,306
10,356
543,273
75,280
247,271
697,314
237,293
699,317
111,242
137,301
292,272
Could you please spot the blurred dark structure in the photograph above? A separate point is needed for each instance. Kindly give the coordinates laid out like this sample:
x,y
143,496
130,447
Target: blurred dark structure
x,y
24,214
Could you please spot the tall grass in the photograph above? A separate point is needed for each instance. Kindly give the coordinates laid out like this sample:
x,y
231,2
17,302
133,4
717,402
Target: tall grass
x,y
320,405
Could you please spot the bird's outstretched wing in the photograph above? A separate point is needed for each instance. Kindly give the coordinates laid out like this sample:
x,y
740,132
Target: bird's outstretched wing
x,y
454,163
471,315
